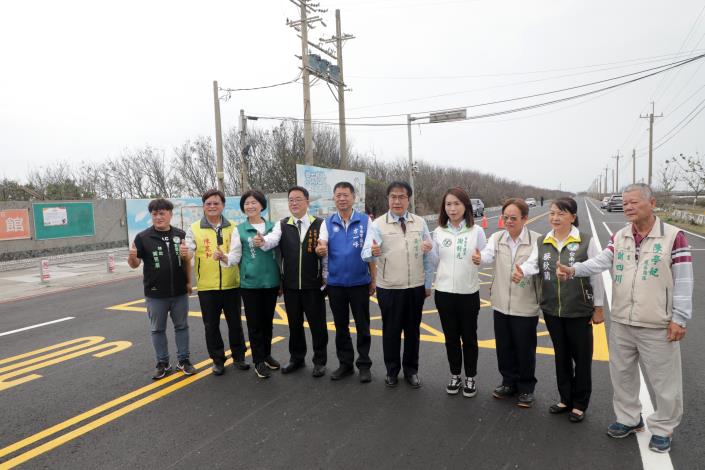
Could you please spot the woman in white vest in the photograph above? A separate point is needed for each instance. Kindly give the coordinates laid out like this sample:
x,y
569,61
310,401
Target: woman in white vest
x,y
516,306
457,285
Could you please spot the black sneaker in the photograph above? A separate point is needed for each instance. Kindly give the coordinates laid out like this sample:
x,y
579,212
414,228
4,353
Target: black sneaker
x,y
240,364
163,369
272,363
262,370
186,367
469,387
454,385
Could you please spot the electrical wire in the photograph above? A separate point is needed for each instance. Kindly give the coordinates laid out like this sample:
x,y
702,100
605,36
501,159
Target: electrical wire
x,y
519,109
233,90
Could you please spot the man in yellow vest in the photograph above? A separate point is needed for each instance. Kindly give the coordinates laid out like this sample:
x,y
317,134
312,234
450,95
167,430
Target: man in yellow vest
x,y
217,253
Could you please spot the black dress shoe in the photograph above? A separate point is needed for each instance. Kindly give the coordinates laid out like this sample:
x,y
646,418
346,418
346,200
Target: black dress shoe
x,y
342,372
413,380
556,409
218,369
291,366
318,370
390,381
503,391
365,376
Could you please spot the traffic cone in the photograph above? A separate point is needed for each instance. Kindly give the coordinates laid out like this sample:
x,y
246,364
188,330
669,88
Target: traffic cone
x,y
500,223
484,221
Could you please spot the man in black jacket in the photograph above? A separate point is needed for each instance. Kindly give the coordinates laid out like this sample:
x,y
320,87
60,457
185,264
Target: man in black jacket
x,y
302,271
167,284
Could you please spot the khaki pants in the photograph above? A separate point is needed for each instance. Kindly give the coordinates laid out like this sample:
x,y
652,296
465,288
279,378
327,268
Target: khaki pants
x,y
661,365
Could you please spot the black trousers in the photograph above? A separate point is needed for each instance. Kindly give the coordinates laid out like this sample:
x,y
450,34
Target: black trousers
x,y
312,303
515,339
259,311
213,302
458,314
357,299
572,343
401,311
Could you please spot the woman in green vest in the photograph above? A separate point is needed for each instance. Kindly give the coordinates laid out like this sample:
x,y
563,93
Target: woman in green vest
x,y
259,282
570,308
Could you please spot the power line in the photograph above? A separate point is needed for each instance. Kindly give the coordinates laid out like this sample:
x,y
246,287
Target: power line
x,y
233,90
535,95
519,109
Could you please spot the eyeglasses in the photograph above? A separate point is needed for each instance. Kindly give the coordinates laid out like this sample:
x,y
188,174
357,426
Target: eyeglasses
x,y
213,204
296,200
395,197
508,218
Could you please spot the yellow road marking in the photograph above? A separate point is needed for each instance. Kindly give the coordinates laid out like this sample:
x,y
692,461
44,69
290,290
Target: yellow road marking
x,y
63,439
56,357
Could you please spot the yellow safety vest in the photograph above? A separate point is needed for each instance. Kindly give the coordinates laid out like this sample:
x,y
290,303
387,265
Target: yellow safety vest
x,y
210,275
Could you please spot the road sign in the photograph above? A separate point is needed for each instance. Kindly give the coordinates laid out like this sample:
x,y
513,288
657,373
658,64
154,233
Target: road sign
x,y
447,116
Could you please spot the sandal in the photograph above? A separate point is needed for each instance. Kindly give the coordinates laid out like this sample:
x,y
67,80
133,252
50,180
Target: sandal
x,y
576,417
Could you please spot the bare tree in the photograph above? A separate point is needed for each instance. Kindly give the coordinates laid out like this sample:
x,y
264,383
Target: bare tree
x,y
195,164
668,176
693,173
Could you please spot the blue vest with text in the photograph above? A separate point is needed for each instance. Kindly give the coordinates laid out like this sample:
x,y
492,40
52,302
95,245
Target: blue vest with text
x,y
345,265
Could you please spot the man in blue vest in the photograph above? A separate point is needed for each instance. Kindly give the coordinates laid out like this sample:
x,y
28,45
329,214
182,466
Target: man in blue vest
x,y
350,281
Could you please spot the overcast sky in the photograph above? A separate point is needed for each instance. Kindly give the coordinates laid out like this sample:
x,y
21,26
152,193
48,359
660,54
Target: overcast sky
x,y
83,80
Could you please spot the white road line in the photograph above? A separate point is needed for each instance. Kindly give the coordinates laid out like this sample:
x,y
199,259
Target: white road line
x,y
694,234
596,208
36,326
649,459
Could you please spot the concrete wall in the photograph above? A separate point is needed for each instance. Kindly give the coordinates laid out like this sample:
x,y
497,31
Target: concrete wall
x,y
110,232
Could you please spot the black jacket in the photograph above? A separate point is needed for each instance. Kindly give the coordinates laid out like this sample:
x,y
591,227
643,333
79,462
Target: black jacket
x,y
164,270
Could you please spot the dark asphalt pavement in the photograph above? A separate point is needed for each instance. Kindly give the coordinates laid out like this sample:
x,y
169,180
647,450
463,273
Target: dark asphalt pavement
x,y
92,412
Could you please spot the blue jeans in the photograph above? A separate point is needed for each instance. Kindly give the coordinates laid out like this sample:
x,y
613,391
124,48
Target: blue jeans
x,y
158,310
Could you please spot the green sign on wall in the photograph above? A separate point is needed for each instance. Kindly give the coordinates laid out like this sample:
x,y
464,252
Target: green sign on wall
x,y
63,220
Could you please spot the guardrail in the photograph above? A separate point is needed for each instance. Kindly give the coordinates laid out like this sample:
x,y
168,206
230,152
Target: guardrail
x,y
687,216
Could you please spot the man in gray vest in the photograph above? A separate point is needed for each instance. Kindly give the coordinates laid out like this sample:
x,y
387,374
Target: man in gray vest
x,y
399,242
652,291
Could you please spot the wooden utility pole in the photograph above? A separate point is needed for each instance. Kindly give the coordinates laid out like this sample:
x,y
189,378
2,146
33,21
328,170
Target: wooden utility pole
x,y
651,117
412,206
220,175
633,166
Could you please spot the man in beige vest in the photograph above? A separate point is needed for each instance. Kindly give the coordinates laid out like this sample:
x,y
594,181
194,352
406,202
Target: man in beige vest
x,y
652,291
399,242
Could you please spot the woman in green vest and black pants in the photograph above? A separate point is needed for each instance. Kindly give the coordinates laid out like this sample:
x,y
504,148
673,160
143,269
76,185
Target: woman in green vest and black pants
x,y
259,282
569,307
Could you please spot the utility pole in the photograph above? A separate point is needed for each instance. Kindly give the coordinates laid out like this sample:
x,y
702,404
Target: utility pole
x,y
614,188
308,128
341,93
599,184
411,164
338,80
633,166
618,156
606,187
651,117
220,175
244,170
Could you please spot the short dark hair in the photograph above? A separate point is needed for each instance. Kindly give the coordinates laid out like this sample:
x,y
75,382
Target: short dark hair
x,y
400,184
259,195
213,192
519,203
160,204
298,188
344,184
464,198
567,204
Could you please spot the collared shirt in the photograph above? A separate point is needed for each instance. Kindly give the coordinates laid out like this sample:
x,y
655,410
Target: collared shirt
x,y
488,253
233,256
531,266
324,228
271,240
374,234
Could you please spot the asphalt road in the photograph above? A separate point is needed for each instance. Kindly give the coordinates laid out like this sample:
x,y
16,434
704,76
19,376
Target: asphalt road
x,y
90,403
